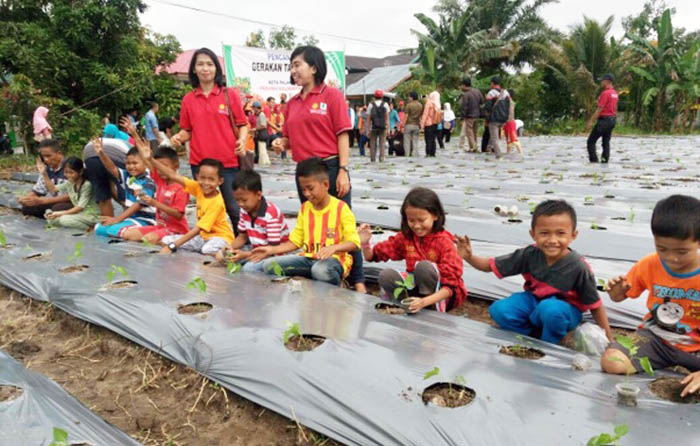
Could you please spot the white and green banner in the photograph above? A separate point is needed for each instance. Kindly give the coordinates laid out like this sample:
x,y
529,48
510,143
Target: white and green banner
x,y
264,72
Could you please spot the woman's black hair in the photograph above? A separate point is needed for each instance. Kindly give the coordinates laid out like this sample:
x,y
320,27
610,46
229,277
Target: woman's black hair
x,y
76,164
315,58
423,198
218,78
678,217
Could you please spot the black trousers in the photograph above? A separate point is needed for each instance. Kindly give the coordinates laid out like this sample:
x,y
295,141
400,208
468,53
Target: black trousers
x,y
485,139
430,140
602,129
357,273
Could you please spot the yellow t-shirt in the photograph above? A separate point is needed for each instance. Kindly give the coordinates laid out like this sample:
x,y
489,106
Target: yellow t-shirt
x,y
211,213
331,225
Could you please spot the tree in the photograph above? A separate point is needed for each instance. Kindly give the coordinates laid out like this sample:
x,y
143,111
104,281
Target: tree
x,y
282,38
256,39
309,40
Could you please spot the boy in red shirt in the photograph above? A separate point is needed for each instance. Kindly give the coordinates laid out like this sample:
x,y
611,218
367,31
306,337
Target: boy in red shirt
x,y
670,333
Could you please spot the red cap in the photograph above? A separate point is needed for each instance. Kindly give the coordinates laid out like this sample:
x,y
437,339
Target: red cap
x,y
401,103
378,94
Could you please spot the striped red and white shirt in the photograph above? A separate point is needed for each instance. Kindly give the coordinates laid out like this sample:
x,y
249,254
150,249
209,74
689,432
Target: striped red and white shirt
x,y
268,228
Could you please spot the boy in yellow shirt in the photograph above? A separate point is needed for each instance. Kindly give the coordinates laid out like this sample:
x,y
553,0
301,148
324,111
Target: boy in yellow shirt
x,y
212,232
325,231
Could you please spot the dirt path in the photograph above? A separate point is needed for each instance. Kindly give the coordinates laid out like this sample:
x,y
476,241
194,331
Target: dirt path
x,y
156,401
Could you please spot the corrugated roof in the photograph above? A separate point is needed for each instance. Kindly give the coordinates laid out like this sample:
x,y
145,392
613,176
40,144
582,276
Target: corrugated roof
x,y
383,78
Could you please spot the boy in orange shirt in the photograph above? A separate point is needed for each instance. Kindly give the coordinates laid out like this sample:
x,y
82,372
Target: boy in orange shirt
x,y
325,231
670,332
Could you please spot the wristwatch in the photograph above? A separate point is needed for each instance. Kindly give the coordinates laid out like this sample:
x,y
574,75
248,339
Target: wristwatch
x,y
172,246
345,168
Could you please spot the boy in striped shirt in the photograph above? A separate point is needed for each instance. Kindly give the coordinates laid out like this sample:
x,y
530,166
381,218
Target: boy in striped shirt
x,y
325,231
260,223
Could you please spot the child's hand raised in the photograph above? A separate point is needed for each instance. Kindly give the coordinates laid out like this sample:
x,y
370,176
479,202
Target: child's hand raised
x,y
617,288
365,232
127,125
97,145
464,247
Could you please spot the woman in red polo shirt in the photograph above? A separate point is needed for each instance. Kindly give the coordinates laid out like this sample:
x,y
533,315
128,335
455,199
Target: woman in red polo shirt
x,y
316,123
205,123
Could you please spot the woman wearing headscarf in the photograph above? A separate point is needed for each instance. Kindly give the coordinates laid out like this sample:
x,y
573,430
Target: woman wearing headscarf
x,y
205,121
42,128
317,125
429,123
448,122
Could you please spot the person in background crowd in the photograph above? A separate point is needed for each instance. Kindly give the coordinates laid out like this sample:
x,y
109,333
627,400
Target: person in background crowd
x,y
45,194
395,134
356,125
511,128
495,95
448,122
429,123
414,111
205,122
261,134
604,118
378,111
42,128
165,130
277,125
364,129
353,122
315,132
152,131
283,103
470,109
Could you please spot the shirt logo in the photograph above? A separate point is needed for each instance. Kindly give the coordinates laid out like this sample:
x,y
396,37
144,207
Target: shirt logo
x,y
222,109
330,233
324,106
315,106
317,109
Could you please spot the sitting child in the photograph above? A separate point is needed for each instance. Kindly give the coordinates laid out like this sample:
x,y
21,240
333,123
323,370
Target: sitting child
x,y
213,232
559,284
170,201
429,252
260,223
84,213
135,181
670,333
325,231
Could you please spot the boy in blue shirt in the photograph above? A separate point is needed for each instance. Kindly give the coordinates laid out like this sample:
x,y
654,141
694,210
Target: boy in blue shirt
x,y
135,181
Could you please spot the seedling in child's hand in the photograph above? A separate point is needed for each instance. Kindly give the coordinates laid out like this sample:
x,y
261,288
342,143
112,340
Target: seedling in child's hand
x,y
113,270
197,283
292,330
403,286
77,253
606,439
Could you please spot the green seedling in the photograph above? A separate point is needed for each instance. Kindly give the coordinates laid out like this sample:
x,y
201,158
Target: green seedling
x,y
3,239
292,330
467,190
588,199
532,205
459,379
113,270
403,286
632,350
522,345
277,269
77,252
631,216
594,225
606,439
430,373
60,437
197,283
233,267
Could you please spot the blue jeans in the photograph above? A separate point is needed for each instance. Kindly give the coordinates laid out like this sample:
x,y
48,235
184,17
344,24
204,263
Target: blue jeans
x,y
522,312
252,267
357,273
364,139
227,193
329,270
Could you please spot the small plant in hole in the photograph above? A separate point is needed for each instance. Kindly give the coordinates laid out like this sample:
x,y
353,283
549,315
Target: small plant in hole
x,y
114,270
631,216
451,393
197,284
588,200
3,239
295,340
532,205
293,329
60,437
77,252
627,392
523,349
606,439
233,267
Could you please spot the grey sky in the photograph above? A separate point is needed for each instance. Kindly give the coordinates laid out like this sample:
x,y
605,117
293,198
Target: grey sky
x,y
359,19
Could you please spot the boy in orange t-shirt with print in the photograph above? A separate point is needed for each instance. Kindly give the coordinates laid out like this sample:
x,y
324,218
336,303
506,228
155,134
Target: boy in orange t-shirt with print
x,y
670,332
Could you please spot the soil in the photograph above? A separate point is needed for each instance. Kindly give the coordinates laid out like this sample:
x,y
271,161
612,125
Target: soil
x,y
670,389
195,308
120,284
37,256
448,395
7,246
304,343
73,269
281,279
141,253
154,400
389,309
521,352
9,393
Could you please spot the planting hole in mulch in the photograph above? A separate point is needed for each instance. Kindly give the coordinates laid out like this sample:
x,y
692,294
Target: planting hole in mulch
x,y
7,246
213,264
73,269
280,279
78,234
22,349
514,220
382,207
304,343
448,395
37,256
619,218
599,228
9,393
119,285
114,240
194,308
384,308
31,236
141,253
670,389
520,351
